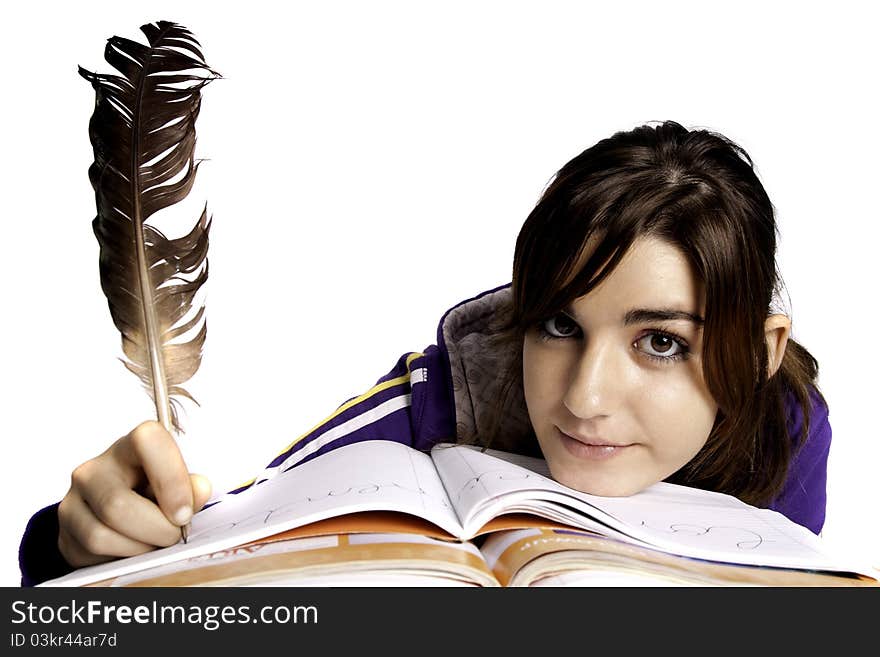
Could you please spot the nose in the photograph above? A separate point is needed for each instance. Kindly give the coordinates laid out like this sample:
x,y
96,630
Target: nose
x,y
595,382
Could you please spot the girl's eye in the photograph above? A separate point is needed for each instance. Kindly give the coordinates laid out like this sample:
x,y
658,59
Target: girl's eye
x,y
662,346
559,326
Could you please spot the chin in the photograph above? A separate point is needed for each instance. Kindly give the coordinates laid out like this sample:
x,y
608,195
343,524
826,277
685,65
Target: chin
x,y
602,486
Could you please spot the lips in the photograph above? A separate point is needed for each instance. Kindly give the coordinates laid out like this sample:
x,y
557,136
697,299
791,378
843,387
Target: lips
x,y
591,448
591,441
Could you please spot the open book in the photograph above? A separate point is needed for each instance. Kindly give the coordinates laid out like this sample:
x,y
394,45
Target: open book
x,y
456,494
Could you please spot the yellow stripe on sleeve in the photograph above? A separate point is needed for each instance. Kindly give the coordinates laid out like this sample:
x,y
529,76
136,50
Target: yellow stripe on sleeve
x,y
357,400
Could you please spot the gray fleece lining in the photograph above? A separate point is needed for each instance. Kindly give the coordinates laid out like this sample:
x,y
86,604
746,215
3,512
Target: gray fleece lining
x,y
477,367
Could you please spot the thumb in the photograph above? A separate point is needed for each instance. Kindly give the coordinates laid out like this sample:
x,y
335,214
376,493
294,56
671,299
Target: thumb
x,y
201,487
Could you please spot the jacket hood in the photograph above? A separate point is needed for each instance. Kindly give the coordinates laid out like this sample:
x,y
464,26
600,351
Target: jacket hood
x,y
479,363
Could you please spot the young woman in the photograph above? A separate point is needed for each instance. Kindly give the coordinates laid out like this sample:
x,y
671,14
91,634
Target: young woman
x,y
637,343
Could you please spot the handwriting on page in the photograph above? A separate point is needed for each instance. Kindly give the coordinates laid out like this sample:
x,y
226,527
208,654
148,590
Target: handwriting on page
x,y
376,475
711,526
744,539
265,515
500,474
360,489
702,524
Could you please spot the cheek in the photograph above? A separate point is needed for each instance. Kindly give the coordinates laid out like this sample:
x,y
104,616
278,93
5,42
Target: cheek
x,y
679,413
542,381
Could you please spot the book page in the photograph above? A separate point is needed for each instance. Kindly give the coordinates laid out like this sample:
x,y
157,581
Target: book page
x,y
471,475
677,519
366,476
484,484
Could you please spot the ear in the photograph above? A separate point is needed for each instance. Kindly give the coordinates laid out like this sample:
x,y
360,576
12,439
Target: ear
x,y
777,329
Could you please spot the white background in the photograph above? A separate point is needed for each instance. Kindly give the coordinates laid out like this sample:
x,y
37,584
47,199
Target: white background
x,y
370,164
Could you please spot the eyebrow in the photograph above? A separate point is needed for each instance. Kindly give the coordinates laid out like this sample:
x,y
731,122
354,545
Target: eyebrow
x,y
642,315
646,315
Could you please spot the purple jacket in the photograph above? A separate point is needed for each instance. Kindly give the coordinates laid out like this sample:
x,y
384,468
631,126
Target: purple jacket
x,y
440,394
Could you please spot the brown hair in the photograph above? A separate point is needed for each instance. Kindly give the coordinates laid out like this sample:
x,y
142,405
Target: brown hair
x,y
697,190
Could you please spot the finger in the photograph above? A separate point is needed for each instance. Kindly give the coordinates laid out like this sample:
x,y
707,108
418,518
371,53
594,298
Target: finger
x,y
84,527
104,485
75,554
150,447
128,513
201,487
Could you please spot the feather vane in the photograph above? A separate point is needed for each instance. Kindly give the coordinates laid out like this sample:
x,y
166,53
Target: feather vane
x,y
143,136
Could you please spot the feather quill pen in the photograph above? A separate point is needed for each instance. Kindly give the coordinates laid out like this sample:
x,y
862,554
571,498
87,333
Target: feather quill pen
x,y
142,132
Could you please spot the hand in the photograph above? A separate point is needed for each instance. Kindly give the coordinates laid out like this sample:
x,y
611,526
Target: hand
x,y
131,499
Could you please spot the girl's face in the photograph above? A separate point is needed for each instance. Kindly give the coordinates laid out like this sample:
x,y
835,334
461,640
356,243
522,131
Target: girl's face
x,y
614,384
